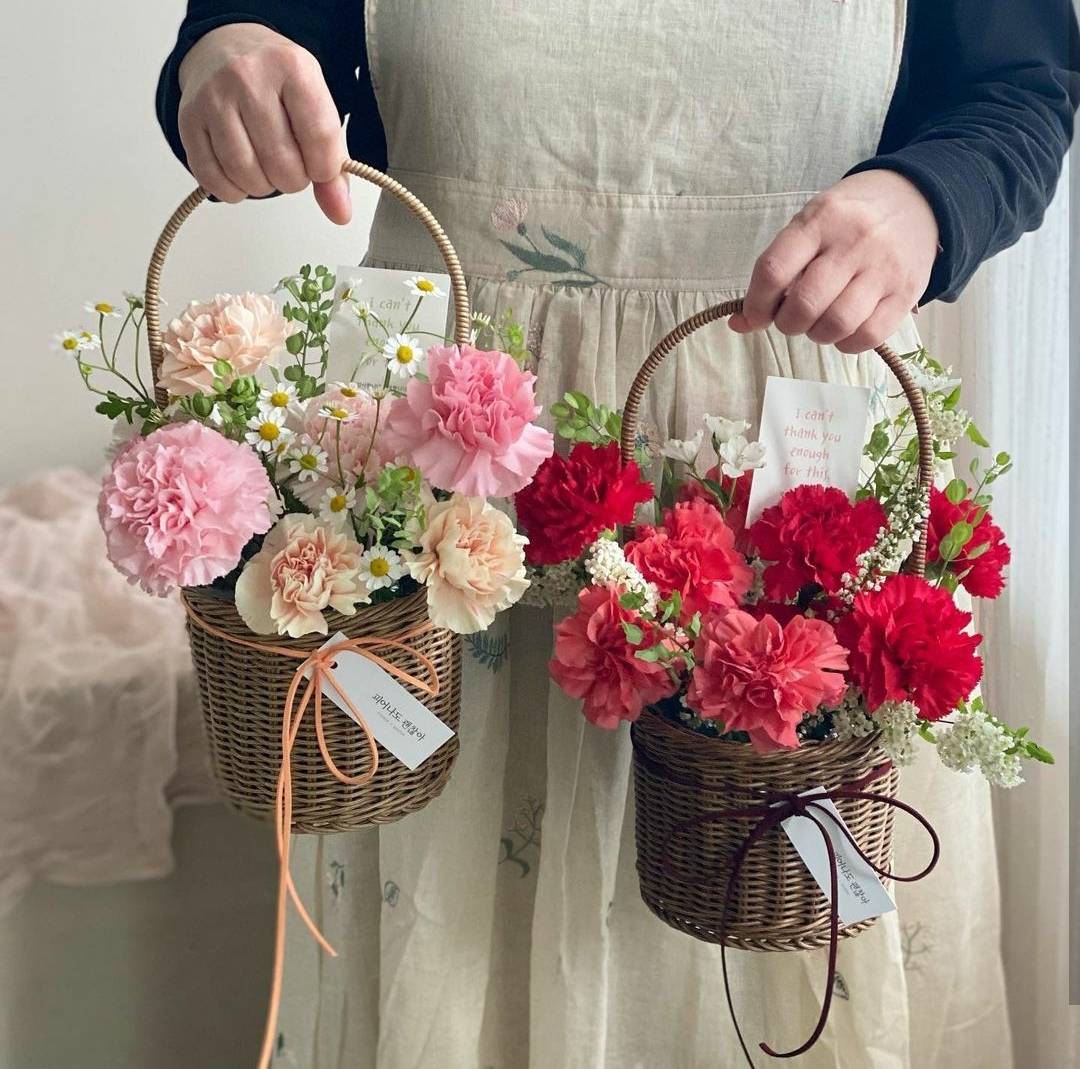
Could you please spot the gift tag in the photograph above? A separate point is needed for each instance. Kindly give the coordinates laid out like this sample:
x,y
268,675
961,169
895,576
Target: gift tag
x,y
813,432
860,894
405,726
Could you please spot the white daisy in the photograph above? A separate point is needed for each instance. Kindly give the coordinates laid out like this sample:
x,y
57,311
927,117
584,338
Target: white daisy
x,y
723,429
686,451
738,455
381,567
104,308
362,309
307,460
335,412
349,389
281,395
421,286
336,503
268,431
404,355
72,342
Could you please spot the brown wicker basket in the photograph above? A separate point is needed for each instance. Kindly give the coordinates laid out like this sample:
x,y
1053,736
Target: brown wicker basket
x,y
244,691
680,776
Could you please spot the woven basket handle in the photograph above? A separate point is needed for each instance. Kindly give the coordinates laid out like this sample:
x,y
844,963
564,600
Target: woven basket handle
x,y
462,315
916,562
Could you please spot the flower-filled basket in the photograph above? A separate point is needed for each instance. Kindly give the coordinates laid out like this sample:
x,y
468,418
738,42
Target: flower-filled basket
x,y
307,521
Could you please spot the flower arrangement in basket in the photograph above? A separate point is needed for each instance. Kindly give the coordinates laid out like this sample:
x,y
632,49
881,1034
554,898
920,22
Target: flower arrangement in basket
x,y
816,647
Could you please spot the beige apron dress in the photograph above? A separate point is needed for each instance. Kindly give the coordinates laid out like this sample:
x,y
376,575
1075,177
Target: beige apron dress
x,y
605,169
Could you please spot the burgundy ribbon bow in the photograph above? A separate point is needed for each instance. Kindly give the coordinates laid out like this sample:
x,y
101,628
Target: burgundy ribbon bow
x,y
773,808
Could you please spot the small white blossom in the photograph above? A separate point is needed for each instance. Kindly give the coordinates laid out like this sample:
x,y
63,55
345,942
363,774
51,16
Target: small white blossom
x,y
930,381
723,429
421,286
336,413
404,355
268,432
308,460
105,309
948,424
381,567
976,742
72,342
605,563
281,395
336,503
738,455
362,309
684,450
899,725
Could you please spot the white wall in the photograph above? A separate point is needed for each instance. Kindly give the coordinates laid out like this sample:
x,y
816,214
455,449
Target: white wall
x,y
86,185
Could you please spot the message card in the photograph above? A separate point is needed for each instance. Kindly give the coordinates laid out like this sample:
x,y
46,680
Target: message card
x,y
813,432
388,296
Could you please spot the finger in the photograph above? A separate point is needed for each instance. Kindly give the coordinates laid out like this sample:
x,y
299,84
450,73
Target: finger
x,y
775,270
333,197
236,154
854,306
812,294
315,124
883,322
275,145
206,168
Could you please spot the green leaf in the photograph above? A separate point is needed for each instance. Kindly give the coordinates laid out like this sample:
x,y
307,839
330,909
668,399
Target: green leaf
x,y
539,261
975,435
556,241
294,373
633,633
1037,753
956,491
632,599
652,654
295,344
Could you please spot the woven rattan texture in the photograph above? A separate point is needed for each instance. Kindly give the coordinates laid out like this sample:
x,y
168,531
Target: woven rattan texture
x,y
243,695
776,905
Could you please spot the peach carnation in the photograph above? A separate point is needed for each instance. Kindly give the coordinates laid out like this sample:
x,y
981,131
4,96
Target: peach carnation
x,y
763,678
246,330
472,561
303,568
179,505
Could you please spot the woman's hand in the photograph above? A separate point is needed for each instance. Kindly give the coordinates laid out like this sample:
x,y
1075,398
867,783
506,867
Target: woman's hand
x,y
849,267
256,116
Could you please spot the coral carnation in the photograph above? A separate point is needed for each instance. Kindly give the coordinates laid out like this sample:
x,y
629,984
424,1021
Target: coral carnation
x,y
908,642
694,553
572,499
179,506
596,662
246,330
469,428
813,537
762,677
980,563
472,562
303,568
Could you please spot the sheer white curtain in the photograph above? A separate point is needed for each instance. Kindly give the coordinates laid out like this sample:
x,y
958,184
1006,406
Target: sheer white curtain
x,y
1008,337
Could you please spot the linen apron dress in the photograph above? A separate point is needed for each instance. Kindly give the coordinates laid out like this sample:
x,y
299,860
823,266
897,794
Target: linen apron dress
x,y
606,168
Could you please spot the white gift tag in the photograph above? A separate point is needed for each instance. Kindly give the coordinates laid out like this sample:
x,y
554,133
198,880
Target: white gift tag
x,y
813,432
860,894
405,726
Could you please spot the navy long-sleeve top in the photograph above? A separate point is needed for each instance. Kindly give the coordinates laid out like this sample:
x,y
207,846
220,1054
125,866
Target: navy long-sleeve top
x,y
980,120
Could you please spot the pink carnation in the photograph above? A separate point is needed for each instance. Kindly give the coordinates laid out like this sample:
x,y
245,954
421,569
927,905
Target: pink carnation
x,y
763,678
469,428
179,506
596,662
363,449
245,330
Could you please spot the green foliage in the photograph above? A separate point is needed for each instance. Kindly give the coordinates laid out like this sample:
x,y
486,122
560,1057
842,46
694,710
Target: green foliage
x,y
579,420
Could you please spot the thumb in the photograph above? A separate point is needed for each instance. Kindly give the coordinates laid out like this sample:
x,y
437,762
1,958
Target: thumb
x,y
334,200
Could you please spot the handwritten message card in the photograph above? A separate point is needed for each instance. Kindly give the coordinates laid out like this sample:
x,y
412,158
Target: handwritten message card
x,y
813,432
385,292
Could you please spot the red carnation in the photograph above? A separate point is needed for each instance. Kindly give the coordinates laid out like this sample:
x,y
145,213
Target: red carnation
x,y
738,491
980,563
572,499
908,643
813,535
694,553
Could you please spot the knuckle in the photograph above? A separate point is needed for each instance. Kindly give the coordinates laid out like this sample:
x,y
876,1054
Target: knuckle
x,y
771,269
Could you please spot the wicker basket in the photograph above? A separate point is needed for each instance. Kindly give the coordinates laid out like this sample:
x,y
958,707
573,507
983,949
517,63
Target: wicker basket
x,y
244,690
684,863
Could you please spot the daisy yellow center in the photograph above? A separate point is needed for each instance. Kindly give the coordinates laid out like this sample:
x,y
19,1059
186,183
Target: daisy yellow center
x,y
279,399
425,284
269,432
379,567
338,503
337,413
348,391
404,354
309,461
71,343
104,308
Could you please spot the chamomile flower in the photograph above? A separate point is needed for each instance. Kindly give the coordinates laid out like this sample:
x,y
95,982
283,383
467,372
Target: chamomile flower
x,y
268,431
76,342
336,503
308,460
421,286
362,308
381,567
348,389
337,413
281,395
404,355
103,308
